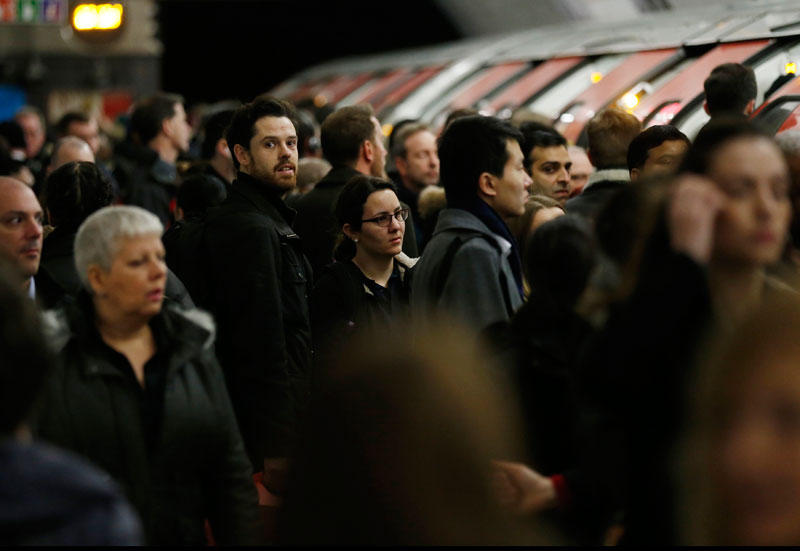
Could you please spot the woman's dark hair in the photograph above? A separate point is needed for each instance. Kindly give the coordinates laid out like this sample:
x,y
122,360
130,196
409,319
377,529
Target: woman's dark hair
x,y
350,209
560,257
74,191
713,136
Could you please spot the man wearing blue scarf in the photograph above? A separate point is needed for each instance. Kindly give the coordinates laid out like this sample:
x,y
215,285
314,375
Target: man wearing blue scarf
x,y
471,268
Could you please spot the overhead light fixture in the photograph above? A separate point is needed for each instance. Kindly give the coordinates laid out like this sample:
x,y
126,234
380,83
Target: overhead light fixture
x,y
97,17
596,77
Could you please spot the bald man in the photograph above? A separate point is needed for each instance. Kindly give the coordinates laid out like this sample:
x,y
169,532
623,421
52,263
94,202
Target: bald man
x,y
21,230
69,149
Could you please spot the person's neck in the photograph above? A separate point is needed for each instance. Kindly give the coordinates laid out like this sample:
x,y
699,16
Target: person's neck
x,y
735,290
362,166
117,327
224,168
412,186
26,285
376,267
165,149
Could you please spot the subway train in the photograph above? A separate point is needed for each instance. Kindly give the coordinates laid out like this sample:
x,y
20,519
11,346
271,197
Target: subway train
x,y
653,66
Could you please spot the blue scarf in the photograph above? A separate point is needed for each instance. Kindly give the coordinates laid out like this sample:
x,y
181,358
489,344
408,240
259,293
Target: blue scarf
x,y
496,225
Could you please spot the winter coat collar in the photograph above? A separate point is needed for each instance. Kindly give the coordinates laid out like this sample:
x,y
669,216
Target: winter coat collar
x,y
264,198
609,175
460,219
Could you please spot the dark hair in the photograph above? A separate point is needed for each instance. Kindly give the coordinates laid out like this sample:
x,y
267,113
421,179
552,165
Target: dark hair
x,y
350,208
214,131
200,192
520,226
149,114
399,125
460,114
307,125
712,136
13,134
398,147
469,147
560,257
344,131
610,133
651,138
242,127
535,134
62,126
26,355
729,88
74,191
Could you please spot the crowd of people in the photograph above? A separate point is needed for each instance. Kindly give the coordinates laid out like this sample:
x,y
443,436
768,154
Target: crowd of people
x,y
280,326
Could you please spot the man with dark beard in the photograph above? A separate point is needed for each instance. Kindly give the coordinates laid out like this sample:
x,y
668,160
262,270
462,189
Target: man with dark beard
x,y
352,142
258,282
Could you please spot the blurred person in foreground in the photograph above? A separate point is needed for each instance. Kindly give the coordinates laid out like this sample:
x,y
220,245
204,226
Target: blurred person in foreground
x,y
367,286
538,210
47,496
789,269
740,468
139,392
409,423
472,266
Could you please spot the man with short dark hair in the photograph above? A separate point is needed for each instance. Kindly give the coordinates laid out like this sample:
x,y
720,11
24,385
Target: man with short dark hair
x,y
657,150
610,133
730,89
258,284
416,159
547,161
352,141
215,150
471,267
145,163
80,125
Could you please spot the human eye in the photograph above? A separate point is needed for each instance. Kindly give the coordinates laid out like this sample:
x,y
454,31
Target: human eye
x,y
269,144
384,219
292,142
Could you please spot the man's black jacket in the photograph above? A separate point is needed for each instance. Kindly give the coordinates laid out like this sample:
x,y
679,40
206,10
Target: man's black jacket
x,y
258,288
316,219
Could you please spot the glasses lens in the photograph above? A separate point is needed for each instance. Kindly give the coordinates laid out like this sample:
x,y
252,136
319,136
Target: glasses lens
x,y
385,220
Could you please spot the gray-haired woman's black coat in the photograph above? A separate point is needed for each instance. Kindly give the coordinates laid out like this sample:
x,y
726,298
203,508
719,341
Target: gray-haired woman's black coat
x,y
195,467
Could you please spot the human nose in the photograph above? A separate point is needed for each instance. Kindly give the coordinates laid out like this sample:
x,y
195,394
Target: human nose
x,y
158,268
33,229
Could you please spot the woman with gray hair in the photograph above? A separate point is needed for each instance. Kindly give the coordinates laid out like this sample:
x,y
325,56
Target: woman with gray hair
x,y
139,392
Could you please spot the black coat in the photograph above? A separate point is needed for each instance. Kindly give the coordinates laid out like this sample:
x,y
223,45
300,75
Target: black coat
x,y
594,197
58,277
316,222
145,180
258,284
193,465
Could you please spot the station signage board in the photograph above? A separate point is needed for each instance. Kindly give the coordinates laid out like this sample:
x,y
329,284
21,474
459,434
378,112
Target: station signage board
x,y
33,12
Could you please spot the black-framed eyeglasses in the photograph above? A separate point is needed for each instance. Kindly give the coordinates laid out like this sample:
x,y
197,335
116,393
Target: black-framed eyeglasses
x,y
385,219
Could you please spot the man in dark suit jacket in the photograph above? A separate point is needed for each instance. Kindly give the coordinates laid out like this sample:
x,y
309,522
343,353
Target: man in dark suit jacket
x,y
610,132
353,143
258,284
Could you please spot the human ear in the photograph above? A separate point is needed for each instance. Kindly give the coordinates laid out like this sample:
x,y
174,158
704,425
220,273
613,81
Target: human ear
x,y
368,150
97,279
242,155
635,172
487,184
348,231
222,148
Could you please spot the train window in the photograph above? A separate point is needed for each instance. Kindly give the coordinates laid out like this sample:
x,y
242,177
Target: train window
x,y
551,103
642,89
693,122
663,114
568,116
779,113
777,65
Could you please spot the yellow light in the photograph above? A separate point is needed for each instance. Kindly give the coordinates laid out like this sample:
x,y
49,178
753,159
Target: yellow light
x,y
109,16
630,100
790,68
105,17
320,101
84,17
387,129
596,77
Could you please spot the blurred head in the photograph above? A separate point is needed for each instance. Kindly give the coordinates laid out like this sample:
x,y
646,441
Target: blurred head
x,y
481,159
161,115
25,352
547,161
214,144
416,157
538,210
20,226
263,142
308,134
743,458
120,260
81,126
459,114
33,125
12,137
730,90
197,194
657,150
371,218
750,169
351,136
560,257
610,133
789,142
310,170
68,150
73,192
581,169
409,420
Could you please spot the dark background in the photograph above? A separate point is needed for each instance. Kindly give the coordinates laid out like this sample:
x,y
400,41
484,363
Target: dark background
x,y
237,49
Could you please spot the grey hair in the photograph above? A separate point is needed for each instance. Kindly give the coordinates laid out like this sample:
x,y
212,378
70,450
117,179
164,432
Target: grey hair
x,y
789,142
97,241
399,143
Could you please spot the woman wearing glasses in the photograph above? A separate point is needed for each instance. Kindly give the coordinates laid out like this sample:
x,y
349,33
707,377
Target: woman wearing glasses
x,y
367,283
